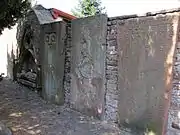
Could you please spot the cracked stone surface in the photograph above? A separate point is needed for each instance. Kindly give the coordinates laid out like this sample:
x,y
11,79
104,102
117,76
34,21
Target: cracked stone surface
x,y
26,113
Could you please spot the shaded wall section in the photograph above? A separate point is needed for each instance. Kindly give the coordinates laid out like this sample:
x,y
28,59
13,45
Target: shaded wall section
x,y
27,68
88,64
146,47
52,54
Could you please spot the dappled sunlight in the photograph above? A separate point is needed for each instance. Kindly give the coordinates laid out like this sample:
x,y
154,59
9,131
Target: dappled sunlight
x,y
82,121
33,117
29,130
150,133
33,132
18,114
178,114
24,126
110,134
37,125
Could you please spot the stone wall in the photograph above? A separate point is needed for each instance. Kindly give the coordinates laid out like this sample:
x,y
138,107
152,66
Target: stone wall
x,y
67,64
111,99
30,20
134,31
125,78
173,118
112,92
28,61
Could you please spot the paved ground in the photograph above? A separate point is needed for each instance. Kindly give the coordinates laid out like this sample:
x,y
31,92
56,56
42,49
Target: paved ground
x,y
27,114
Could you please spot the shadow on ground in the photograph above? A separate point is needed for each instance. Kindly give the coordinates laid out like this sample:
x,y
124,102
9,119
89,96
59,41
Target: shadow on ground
x,y
26,113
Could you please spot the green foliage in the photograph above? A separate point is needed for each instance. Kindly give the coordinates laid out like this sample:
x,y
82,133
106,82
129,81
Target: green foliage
x,y
88,8
11,11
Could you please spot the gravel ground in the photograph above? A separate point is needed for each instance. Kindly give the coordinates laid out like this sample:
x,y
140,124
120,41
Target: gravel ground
x,y
26,113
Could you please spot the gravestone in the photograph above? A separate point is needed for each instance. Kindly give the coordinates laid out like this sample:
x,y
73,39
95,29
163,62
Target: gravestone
x,y
88,64
52,55
146,47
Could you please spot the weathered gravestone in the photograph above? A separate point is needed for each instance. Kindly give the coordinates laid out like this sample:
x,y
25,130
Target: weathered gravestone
x,y
88,64
146,48
52,55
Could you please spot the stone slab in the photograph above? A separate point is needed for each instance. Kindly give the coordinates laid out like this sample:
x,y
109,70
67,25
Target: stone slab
x,y
88,65
53,56
146,48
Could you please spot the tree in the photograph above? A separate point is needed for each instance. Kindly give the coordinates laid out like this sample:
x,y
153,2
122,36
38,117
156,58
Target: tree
x,y
88,8
11,11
